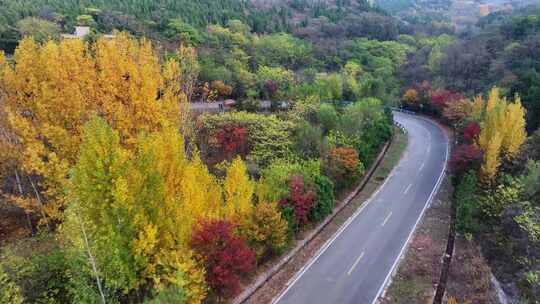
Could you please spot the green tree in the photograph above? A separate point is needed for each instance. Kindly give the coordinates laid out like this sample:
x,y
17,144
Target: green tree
x,y
39,29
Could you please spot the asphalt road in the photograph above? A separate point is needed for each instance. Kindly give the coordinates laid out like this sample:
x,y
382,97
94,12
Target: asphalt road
x,y
356,264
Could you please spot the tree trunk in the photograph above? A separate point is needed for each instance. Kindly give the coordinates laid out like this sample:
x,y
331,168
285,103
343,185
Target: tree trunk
x,y
21,193
38,197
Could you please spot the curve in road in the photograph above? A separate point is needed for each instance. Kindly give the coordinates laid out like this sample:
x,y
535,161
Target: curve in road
x,y
356,264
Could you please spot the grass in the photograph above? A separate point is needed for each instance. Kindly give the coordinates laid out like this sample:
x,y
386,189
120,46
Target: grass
x,y
393,155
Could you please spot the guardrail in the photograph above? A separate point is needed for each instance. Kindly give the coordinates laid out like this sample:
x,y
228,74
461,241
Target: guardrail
x,y
403,111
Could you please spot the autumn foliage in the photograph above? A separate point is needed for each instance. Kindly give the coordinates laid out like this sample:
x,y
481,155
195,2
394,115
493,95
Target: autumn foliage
x,y
300,200
232,140
343,166
226,257
441,98
471,132
265,230
51,90
464,157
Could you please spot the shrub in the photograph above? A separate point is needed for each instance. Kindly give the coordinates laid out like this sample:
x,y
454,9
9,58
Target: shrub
x,y
226,257
441,98
10,292
343,166
325,198
172,294
300,200
465,157
410,98
40,277
466,203
265,230
274,183
308,140
493,203
337,138
471,132
232,140
269,137
327,117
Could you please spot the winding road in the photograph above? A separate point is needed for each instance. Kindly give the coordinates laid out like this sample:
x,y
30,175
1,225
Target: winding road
x,y
356,264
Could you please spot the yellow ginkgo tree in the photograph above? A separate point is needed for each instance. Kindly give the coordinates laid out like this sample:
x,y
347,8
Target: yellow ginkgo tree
x,y
503,131
51,90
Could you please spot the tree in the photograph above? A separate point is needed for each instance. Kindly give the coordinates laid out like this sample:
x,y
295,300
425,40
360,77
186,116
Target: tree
x,y
222,89
185,33
465,157
238,190
189,70
471,132
466,204
503,122
67,82
492,159
265,230
458,112
131,213
300,202
343,166
92,227
440,99
39,29
410,98
514,129
226,257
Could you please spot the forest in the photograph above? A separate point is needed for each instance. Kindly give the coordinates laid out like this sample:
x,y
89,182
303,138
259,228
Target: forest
x,y
114,191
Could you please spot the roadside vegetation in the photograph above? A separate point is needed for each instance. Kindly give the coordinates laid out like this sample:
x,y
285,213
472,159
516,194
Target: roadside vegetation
x,y
115,192
137,200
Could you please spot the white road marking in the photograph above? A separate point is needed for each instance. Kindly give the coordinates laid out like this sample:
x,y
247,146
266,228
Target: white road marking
x,y
355,263
407,190
382,289
387,218
422,166
328,243
338,233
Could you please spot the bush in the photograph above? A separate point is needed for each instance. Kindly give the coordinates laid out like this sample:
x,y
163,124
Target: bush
x,y
494,202
327,117
10,292
265,230
465,157
300,200
343,166
37,278
308,141
232,140
471,132
274,183
172,294
466,204
325,199
269,137
226,257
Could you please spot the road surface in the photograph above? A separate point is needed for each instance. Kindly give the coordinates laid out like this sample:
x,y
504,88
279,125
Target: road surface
x,y
356,264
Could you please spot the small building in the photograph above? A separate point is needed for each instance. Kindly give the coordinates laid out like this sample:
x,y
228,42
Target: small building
x,y
81,32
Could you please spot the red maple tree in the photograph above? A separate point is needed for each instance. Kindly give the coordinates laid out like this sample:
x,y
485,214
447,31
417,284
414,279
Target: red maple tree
x,y
226,256
465,157
300,199
471,131
441,98
232,140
